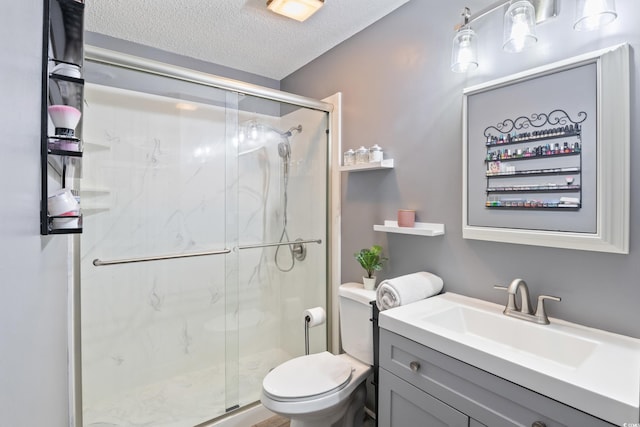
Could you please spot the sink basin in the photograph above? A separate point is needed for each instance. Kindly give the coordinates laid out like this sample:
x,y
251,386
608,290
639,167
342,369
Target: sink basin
x,y
557,346
595,371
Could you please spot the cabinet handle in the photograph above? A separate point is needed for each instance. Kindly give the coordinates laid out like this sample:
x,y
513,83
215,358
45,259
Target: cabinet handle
x,y
414,366
538,424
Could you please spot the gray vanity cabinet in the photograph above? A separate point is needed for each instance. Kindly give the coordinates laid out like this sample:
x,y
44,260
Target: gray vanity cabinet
x,y
423,387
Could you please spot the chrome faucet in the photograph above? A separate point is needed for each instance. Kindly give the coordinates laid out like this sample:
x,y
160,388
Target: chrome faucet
x,y
524,311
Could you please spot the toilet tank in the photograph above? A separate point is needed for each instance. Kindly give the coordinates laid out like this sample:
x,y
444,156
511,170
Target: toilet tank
x,y
356,328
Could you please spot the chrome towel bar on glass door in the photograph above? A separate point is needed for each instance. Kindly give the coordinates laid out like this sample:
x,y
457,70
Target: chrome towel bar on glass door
x,y
267,245
97,262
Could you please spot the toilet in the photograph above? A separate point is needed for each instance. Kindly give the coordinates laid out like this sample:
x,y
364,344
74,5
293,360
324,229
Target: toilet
x,y
322,389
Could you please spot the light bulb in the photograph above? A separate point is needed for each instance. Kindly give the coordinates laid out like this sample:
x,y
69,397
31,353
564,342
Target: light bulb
x,y
519,26
464,55
519,32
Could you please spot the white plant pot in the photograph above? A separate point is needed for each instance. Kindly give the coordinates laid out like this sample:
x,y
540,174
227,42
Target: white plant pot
x,y
369,283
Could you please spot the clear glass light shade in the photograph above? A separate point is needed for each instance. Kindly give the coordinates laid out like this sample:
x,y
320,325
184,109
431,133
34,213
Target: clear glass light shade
x,y
593,14
464,55
519,26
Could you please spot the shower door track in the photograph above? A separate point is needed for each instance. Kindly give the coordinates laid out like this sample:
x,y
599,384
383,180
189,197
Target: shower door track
x,y
110,57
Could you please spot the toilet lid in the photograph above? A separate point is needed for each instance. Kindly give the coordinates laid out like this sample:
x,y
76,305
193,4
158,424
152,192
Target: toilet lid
x,y
307,376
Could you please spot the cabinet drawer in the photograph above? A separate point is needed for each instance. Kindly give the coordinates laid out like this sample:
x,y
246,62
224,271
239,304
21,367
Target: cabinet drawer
x,y
484,397
403,405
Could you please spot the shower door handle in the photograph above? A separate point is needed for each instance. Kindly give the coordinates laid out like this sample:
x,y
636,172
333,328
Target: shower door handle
x,y
99,263
267,245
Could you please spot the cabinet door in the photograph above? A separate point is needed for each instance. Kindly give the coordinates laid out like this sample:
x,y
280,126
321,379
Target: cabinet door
x,y
402,405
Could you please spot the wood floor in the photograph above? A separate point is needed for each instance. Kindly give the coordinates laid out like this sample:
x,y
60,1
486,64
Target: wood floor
x,y
275,421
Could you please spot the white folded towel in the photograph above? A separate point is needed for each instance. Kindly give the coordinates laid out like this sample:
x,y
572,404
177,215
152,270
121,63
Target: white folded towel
x,y
407,289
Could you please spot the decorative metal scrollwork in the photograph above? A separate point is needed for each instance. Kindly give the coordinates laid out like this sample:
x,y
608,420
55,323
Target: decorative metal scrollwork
x,y
536,120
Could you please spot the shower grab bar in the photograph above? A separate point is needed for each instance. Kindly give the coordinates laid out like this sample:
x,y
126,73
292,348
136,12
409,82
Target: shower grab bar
x,y
98,263
267,245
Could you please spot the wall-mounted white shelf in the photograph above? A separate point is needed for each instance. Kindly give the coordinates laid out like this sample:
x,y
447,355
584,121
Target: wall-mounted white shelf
x,y
420,228
385,164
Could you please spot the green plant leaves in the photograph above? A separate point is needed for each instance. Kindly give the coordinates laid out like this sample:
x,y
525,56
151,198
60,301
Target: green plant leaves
x,y
371,259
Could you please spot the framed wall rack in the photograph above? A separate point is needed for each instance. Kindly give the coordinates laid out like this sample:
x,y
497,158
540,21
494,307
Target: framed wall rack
x,y
546,155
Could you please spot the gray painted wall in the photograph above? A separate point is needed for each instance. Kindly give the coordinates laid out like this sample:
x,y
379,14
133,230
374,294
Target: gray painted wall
x,y
399,93
33,268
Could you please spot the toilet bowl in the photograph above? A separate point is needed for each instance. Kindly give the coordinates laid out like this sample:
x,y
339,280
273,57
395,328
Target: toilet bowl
x,y
319,390
323,389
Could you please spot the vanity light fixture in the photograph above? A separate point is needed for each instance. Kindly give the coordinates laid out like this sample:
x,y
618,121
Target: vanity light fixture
x,y
299,10
520,22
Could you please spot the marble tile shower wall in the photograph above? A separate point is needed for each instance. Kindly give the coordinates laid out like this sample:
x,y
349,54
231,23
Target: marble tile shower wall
x,y
154,182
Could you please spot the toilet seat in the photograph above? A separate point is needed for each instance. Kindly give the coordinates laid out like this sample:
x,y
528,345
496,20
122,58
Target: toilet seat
x,y
307,377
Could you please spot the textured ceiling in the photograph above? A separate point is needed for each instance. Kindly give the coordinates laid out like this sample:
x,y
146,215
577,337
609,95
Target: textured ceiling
x,y
241,34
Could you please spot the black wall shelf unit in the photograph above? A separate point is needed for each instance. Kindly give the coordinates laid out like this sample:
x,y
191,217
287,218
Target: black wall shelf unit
x,y
62,102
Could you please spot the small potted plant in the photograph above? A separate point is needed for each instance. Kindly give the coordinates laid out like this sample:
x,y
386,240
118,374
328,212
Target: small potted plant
x,y
371,260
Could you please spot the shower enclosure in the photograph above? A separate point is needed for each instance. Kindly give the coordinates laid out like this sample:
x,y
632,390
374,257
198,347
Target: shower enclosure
x,y
205,238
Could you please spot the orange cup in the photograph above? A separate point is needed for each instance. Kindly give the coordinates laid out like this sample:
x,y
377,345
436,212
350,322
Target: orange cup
x,y
406,218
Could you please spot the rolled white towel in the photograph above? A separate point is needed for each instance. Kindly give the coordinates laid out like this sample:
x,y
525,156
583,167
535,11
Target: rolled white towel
x,y
407,289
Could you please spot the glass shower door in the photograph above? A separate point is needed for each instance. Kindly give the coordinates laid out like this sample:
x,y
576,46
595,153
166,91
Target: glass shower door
x,y
156,339
281,197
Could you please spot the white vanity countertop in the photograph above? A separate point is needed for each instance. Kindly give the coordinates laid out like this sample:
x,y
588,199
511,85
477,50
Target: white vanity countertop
x,y
595,371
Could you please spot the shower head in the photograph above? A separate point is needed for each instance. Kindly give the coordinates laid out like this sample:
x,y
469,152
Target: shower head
x,y
284,149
